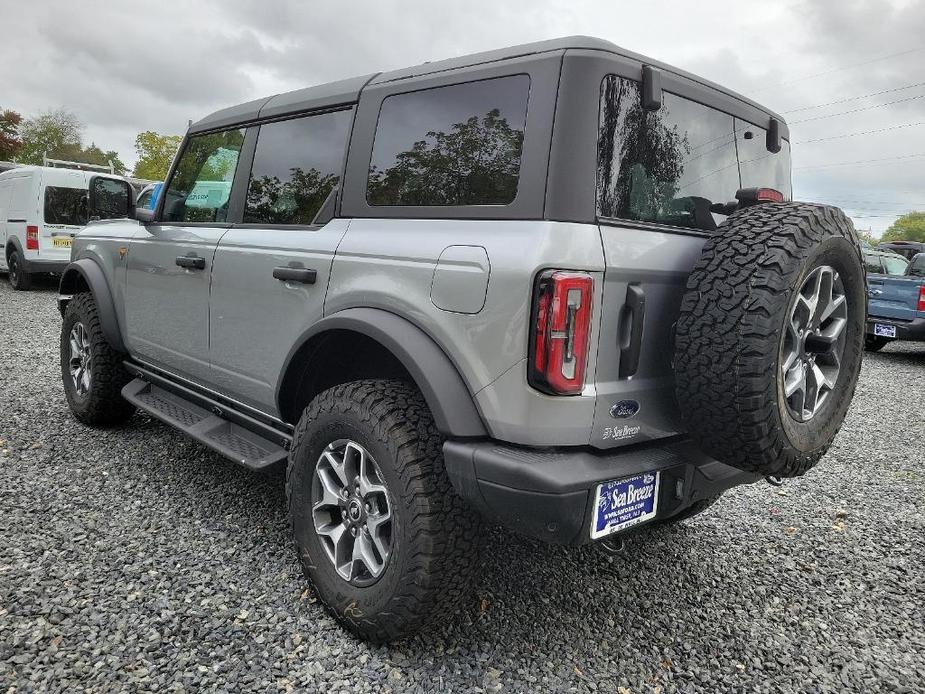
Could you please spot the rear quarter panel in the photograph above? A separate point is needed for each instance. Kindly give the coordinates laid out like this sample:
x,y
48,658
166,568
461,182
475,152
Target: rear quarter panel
x,y
390,264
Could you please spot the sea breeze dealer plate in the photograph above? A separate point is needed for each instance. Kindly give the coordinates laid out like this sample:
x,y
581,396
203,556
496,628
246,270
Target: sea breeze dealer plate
x,y
884,330
623,503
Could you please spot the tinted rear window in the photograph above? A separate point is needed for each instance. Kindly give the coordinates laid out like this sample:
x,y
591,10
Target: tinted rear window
x,y
296,166
895,265
672,165
65,205
455,145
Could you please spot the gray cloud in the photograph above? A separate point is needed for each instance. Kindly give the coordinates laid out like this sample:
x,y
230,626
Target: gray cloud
x,y
130,66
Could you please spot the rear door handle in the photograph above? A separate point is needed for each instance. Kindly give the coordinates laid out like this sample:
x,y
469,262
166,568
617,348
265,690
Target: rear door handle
x,y
193,262
631,344
295,274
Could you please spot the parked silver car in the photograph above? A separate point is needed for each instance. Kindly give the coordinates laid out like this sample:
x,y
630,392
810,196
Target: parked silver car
x,y
558,286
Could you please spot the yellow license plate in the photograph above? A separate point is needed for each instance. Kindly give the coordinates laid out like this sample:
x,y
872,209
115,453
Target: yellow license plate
x,y
60,242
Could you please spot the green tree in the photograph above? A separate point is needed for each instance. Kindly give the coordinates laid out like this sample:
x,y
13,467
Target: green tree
x,y
155,152
909,227
55,133
10,143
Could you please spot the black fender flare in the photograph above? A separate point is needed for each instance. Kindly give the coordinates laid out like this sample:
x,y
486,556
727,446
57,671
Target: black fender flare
x,y
444,390
91,274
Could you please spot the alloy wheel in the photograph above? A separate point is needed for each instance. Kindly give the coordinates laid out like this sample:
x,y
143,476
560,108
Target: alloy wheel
x,y
80,360
814,343
352,512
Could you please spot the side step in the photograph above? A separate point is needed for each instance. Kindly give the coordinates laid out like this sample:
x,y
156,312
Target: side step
x,y
240,444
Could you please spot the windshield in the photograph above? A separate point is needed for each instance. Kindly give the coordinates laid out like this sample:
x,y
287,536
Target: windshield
x,y
66,206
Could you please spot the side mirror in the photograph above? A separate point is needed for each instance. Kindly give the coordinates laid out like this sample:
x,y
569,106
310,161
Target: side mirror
x,y
110,198
144,214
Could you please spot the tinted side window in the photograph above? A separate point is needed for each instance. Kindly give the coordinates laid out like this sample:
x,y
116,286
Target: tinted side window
x,y
664,166
455,145
759,167
872,263
65,205
296,166
201,185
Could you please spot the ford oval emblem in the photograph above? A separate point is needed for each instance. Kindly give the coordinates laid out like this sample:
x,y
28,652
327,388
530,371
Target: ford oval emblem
x,y
624,409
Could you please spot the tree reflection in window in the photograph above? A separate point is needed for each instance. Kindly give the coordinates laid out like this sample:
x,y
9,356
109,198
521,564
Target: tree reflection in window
x,y
295,201
667,166
201,184
454,145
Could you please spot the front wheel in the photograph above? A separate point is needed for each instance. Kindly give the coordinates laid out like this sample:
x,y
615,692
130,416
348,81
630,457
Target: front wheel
x,y
388,545
91,369
20,278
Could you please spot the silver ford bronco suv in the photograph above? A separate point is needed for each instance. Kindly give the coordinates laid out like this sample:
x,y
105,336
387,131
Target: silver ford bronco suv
x,y
559,287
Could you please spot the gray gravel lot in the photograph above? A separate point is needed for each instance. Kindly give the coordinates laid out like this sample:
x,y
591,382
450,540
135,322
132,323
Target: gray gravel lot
x,y
134,559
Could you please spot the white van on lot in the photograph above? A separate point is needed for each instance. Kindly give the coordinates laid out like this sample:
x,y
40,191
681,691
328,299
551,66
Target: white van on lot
x,y
41,208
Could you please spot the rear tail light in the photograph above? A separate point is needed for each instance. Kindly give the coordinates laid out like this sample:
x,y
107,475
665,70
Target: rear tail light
x,y
560,332
32,238
921,305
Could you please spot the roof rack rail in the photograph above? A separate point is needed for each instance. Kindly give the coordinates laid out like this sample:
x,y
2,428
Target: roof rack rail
x,y
77,165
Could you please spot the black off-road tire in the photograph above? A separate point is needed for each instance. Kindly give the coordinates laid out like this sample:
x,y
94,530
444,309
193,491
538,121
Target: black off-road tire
x,y
20,279
729,344
874,343
435,536
695,509
103,403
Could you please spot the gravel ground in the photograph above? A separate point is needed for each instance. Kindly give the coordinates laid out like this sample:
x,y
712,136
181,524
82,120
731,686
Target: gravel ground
x,y
134,559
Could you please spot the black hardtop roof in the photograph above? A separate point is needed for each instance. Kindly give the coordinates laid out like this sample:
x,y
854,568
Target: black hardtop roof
x,y
347,91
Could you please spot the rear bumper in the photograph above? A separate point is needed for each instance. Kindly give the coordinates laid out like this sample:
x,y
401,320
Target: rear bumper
x,y
905,330
548,494
39,265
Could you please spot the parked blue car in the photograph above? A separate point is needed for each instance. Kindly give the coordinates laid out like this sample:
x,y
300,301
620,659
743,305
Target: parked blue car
x,y
896,302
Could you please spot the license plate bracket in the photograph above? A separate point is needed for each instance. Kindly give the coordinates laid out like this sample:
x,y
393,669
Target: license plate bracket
x,y
622,503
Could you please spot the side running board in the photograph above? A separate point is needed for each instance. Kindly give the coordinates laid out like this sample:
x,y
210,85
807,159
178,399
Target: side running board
x,y
255,446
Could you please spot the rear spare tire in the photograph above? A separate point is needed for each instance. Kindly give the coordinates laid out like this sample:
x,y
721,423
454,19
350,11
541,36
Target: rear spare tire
x,y
769,340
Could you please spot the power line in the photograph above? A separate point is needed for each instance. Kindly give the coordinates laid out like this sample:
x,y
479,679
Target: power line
x,y
856,98
839,69
863,161
863,132
858,110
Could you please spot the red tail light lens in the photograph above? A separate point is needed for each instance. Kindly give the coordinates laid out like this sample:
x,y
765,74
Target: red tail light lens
x,y
921,306
561,328
32,238
769,195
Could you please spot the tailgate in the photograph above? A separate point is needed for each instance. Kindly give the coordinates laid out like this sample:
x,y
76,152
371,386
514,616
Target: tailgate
x,y
893,297
645,276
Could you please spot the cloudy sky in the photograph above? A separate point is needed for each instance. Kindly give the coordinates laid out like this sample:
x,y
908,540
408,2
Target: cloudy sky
x,y
130,66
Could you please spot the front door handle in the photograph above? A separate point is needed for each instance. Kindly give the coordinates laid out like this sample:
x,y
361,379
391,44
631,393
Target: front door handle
x,y
193,262
295,274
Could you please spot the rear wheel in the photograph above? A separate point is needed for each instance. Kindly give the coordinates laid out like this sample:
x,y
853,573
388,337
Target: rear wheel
x,y
91,369
20,278
873,343
388,545
769,340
